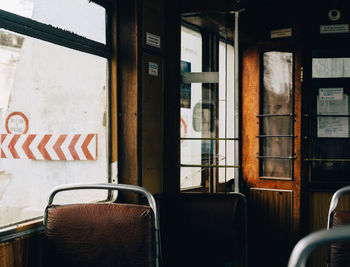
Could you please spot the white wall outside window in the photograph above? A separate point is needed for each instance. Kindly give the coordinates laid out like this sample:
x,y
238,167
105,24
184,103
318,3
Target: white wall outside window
x,y
62,92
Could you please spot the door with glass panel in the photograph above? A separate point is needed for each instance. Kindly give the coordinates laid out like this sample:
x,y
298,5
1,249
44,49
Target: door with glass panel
x,y
271,129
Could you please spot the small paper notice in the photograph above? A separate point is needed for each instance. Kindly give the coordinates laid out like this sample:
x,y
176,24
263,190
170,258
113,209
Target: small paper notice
x,y
332,101
152,40
153,69
333,127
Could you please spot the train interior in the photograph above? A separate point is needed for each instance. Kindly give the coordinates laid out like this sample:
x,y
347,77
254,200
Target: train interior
x,y
230,118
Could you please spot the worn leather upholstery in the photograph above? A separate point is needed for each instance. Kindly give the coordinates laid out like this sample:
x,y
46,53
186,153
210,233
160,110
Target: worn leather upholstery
x,y
340,252
100,235
203,230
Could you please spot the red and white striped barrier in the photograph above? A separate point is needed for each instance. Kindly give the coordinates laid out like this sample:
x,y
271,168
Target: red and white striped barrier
x,y
49,146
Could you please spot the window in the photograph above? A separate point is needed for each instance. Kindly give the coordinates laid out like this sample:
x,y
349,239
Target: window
x,y
277,118
207,113
53,103
329,117
78,16
191,110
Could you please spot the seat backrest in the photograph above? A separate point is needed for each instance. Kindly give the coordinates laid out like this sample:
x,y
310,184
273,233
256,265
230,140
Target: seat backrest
x,y
100,234
204,229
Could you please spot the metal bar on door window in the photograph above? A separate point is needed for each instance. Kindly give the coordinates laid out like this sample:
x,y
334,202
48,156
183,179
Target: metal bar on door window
x,y
276,115
208,166
209,138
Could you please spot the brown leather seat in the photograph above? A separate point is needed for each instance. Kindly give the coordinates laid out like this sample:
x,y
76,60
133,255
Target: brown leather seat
x,y
203,230
340,252
101,234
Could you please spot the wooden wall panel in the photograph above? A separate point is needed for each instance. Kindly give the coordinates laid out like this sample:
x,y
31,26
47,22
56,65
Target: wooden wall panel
x,y
318,207
22,252
153,21
152,123
270,229
128,97
171,108
113,91
152,97
250,108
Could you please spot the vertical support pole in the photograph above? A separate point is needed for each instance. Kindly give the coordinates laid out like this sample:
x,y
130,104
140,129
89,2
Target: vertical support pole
x,y
236,101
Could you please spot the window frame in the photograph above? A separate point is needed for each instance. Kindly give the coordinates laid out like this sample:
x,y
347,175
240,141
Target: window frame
x,y
28,27
314,161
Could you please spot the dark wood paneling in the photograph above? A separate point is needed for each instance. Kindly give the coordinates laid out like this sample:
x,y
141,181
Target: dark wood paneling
x,y
152,122
250,108
153,21
318,207
22,252
206,5
270,229
128,94
113,91
171,111
128,63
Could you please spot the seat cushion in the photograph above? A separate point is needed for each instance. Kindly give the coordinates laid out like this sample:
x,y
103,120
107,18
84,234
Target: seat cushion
x,y
100,235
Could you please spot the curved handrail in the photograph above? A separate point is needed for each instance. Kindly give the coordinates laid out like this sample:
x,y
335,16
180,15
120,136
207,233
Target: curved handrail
x,y
306,245
334,202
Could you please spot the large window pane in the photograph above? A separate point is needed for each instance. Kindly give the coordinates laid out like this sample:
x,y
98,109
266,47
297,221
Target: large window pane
x,y
191,107
79,16
226,111
53,123
278,82
276,141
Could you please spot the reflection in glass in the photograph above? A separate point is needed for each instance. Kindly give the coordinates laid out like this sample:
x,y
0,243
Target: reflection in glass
x,y
281,168
278,83
277,107
281,125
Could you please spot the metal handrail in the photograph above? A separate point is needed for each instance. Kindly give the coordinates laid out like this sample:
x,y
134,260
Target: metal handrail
x,y
334,203
306,245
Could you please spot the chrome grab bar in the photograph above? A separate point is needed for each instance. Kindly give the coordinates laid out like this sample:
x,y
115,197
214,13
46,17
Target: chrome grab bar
x,y
334,203
306,245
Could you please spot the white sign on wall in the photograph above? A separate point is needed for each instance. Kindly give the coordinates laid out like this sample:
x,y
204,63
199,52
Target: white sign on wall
x,y
153,68
336,28
152,40
281,33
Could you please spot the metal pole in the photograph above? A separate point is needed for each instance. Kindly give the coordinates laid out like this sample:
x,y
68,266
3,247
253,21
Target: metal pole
x,y
236,101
